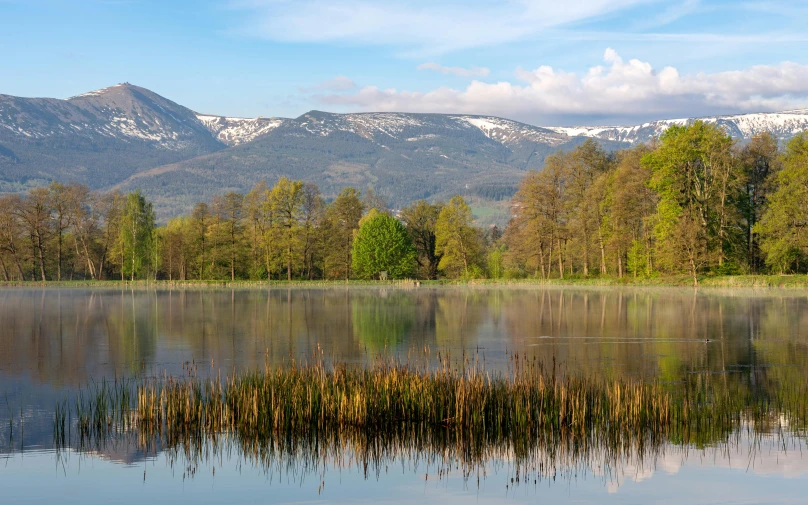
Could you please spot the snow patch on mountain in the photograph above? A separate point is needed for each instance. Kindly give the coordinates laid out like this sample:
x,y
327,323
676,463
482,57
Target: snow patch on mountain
x,y
511,132
236,130
370,125
97,92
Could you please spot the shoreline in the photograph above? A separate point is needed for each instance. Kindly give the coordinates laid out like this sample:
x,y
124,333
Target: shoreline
x,y
726,281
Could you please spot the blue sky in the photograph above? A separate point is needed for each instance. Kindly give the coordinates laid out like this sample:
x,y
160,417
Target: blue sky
x,y
540,61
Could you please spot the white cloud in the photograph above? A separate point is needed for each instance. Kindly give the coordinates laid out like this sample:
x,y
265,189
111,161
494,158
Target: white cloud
x,y
425,26
617,91
456,71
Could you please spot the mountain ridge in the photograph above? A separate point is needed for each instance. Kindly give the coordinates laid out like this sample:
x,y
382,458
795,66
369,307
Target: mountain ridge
x,y
129,137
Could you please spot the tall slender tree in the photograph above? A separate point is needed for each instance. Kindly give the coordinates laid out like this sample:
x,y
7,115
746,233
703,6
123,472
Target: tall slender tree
x,y
287,204
341,221
760,159
137,240
456,239
59,203
35,213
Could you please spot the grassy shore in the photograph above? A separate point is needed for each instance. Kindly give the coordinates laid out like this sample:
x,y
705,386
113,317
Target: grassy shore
x,y
707,281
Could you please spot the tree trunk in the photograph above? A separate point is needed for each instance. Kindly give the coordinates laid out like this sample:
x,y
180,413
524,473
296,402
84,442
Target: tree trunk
x,y
541,261
602,253
289,261
41,256
59,256
19,267
586,251
90,264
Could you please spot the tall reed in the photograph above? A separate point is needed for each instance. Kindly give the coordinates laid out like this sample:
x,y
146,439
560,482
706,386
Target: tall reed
x,y
532,414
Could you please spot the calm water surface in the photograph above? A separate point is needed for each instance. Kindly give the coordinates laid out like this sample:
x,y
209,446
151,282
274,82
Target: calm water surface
x,y
55,341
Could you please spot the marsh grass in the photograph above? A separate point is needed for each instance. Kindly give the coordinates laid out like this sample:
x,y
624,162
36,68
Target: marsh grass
x,y
455,412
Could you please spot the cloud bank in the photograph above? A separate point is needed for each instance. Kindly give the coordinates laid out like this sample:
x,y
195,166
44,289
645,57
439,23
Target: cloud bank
x,y
616,92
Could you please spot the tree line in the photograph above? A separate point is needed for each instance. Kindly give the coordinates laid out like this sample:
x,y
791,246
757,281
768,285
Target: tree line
x,y
287,231
692,202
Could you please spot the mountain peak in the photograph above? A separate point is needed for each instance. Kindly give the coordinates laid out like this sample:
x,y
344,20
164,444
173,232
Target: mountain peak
x,y
117,88
125,126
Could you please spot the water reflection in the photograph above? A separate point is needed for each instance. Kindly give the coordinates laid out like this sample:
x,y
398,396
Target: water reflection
x,y
66,337
53,341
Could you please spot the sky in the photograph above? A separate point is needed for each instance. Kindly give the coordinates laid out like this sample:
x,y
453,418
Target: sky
x,y
544,62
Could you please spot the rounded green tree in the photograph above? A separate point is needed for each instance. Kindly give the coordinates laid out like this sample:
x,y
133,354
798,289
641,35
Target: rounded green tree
x,y
382,244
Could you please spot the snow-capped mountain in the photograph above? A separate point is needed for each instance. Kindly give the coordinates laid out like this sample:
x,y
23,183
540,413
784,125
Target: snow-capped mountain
x,y
783,125
129,137
387,125
96,138
123,112
390,126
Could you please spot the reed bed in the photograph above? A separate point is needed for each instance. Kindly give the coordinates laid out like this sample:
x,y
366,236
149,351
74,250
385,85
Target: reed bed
x,y
457,412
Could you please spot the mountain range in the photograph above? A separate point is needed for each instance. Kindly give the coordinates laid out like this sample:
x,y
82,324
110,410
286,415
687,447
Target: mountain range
x,y
128,137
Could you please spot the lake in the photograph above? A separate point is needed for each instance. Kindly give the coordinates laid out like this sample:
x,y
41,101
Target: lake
x,y
55,343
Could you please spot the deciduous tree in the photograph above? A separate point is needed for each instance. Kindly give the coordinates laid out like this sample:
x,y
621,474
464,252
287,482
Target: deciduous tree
x,y
382,244
137,240
421,218
784,226
456,240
